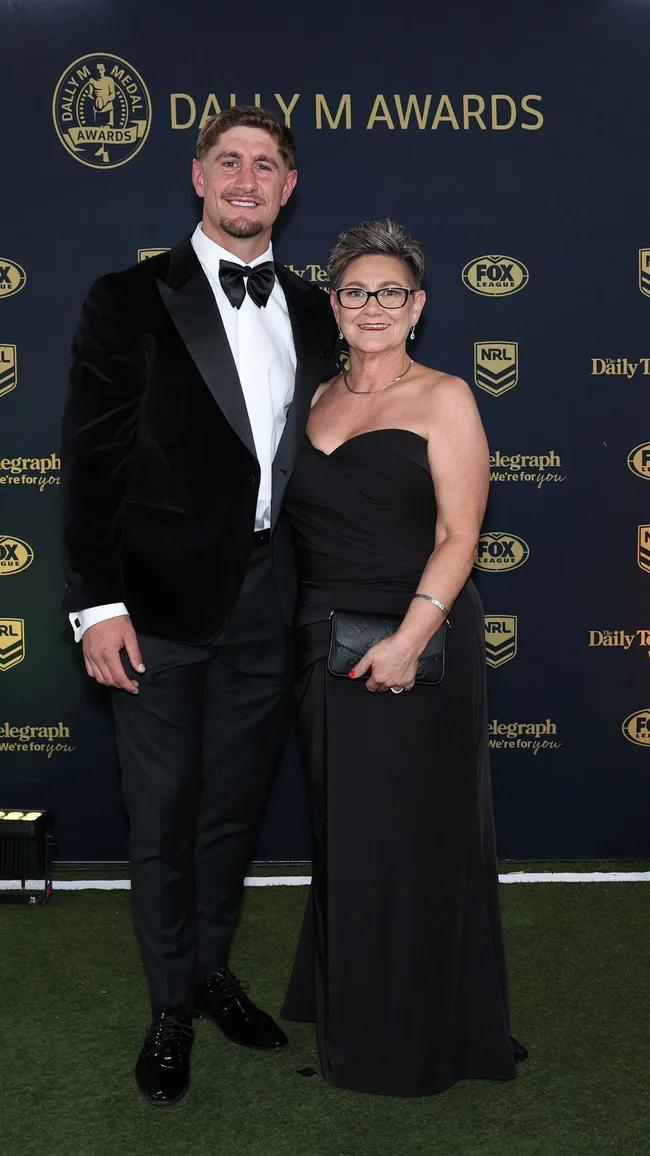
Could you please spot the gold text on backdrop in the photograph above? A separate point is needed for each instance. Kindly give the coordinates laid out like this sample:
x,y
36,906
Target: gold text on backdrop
x,y
497,112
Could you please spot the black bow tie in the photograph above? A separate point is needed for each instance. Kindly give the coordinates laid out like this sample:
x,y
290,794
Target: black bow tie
x,y
259,282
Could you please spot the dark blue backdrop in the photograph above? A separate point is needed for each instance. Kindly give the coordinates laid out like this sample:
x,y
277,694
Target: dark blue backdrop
x,y
551,173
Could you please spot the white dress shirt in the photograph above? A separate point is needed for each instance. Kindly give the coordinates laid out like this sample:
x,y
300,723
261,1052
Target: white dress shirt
x,y
262,346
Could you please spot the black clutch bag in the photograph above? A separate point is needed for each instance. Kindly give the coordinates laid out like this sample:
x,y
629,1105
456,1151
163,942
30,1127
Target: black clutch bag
x,y
354,632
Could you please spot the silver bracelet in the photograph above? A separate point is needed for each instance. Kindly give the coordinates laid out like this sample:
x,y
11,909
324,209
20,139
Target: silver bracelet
x,y
434,602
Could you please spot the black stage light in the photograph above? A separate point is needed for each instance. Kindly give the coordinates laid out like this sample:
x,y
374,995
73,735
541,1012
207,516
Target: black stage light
x,y
26,848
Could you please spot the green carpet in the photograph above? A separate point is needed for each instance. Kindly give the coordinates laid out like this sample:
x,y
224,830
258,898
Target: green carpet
x,y
73,1012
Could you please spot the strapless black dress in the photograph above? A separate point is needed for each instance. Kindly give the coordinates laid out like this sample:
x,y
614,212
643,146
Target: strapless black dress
x,y
400,961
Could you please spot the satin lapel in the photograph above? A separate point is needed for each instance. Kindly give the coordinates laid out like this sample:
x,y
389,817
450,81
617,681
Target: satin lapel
x,y
306,342
193,309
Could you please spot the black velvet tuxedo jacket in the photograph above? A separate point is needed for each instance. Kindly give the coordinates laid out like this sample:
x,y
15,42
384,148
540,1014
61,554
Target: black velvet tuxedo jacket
x,y
159,467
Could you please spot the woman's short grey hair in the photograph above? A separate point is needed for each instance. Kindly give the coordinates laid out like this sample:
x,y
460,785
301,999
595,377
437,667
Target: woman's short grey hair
x,y
376,238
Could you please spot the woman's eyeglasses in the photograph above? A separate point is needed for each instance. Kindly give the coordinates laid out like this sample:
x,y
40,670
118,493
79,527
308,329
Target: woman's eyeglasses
x,y
391,297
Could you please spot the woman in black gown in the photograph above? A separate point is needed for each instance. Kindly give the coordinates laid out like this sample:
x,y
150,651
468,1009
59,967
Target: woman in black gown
x,y
400,961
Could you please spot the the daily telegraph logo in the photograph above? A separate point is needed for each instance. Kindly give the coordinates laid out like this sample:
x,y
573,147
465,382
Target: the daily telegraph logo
x,y
101,110
498,551
8,369
12,278
35,738
619,366
500,638
316,274
12,642
620,639
636,727
496,366
523,736
507,467
37,472
638,460
495,275
15,555
643,551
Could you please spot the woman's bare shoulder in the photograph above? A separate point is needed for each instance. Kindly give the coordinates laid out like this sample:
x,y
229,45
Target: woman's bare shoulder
x,y
445,389
323,388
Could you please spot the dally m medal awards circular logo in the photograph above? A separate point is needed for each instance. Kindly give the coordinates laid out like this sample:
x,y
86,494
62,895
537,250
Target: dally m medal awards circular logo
x,y
101,110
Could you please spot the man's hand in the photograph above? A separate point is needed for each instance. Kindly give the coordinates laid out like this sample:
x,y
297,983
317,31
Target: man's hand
x,y
102,644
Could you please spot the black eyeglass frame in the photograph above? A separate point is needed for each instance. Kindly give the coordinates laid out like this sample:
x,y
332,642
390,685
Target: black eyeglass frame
x,y
373,293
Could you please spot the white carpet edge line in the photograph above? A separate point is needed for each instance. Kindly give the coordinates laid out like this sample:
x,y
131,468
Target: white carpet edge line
x,y
305,880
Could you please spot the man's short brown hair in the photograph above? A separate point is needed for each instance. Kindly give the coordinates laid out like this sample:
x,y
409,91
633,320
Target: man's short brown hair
x,y
248,117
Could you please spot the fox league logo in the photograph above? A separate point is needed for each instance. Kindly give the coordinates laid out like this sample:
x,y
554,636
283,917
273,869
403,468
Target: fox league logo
x,y
500,638
638,460
101,110
496,366
15,555
498,551
495,275
636,727
12,278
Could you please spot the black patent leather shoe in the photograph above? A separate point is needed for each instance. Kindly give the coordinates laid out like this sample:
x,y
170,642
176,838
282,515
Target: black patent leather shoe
x,y
163,1068
221,999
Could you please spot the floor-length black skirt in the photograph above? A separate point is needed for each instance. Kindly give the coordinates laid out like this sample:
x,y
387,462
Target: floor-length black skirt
x,y
401,959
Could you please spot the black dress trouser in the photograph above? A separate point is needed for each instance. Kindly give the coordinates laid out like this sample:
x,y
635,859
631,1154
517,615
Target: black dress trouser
x,y
197,747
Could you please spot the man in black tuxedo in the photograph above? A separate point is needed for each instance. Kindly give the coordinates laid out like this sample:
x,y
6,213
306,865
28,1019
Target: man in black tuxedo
x,y
190,388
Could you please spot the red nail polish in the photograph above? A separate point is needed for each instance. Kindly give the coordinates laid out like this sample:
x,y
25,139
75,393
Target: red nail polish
x,y
352,674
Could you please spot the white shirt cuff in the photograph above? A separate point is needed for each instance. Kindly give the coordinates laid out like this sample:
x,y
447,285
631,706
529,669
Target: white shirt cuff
x,y
80,620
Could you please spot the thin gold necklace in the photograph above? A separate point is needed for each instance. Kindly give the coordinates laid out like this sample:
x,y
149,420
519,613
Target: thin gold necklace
x,y
351,390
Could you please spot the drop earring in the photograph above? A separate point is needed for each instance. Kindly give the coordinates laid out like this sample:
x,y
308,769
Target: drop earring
x,y
412,332
340,335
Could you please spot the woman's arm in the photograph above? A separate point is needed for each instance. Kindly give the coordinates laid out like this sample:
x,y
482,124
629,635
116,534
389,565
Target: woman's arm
x,y
460,468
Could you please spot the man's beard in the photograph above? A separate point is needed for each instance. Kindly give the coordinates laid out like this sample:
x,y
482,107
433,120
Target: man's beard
x,y
241,228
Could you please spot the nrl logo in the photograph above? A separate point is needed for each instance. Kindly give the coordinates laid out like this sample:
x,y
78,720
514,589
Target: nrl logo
x,y
8,369
496,366
12,642
145,254
500,638
644,271
643,556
